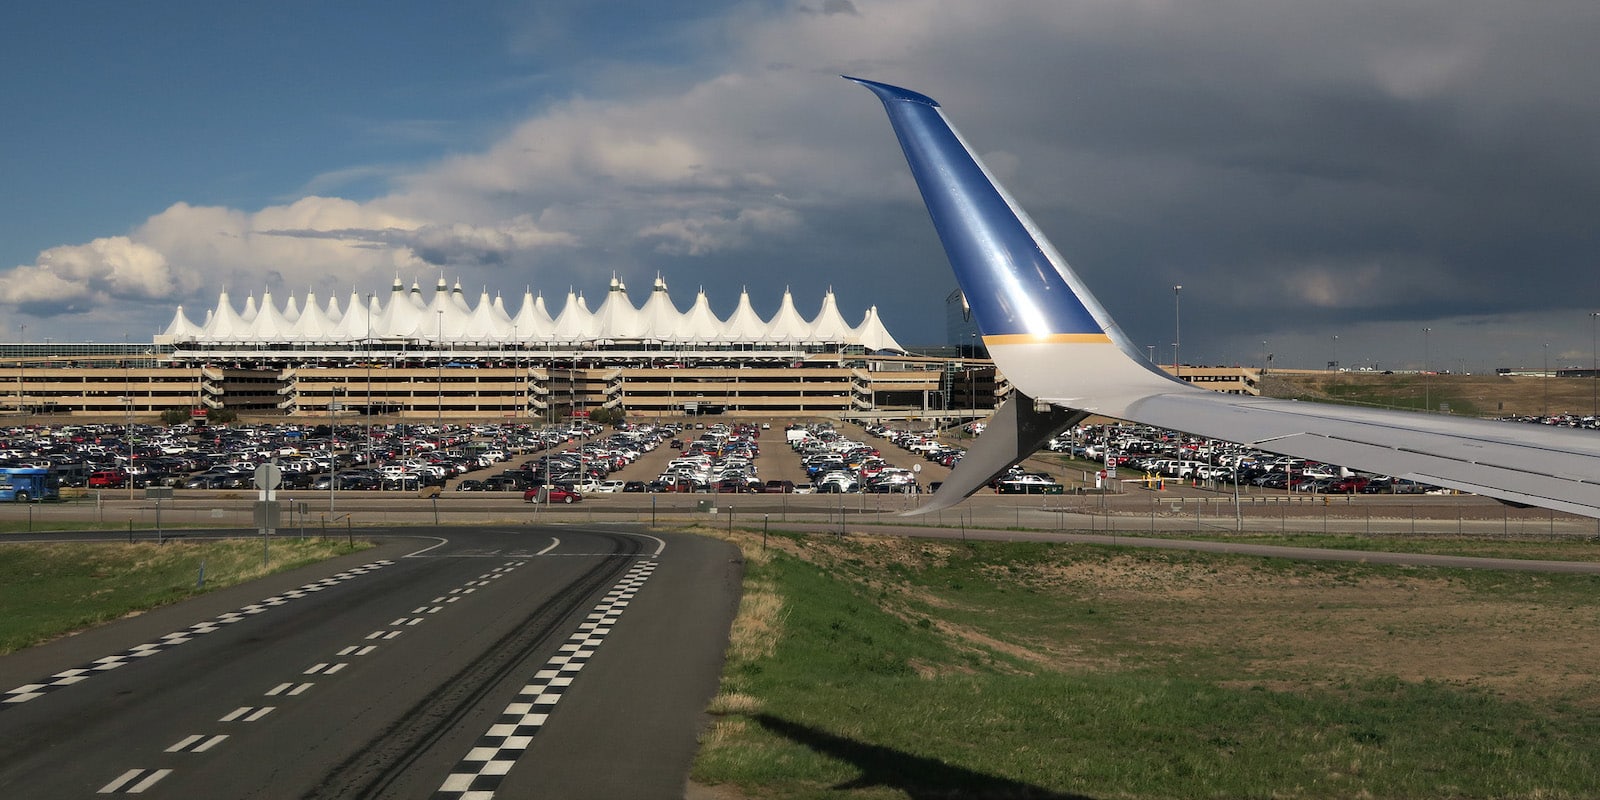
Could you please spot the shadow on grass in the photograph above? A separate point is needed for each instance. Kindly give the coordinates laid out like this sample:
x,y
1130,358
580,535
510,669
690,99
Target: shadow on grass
x,y
920,778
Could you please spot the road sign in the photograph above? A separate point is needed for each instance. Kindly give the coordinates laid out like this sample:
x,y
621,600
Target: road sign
x,y
268,476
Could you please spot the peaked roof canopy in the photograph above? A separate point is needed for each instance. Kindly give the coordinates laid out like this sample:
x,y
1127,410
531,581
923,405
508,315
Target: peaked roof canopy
x,y
447,317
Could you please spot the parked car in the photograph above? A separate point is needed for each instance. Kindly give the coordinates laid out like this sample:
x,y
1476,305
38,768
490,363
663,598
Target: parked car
x,y
108,479
1348,485
551,494
1030,484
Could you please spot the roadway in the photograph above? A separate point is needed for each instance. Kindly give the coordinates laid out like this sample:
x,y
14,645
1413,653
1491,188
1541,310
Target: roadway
x,y
559,661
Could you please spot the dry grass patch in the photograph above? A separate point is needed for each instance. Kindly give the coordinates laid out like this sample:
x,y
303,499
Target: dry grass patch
x,y
1328,626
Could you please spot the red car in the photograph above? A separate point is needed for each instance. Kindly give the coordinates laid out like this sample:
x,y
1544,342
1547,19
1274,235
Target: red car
x,y
1348,485
108,478
552,494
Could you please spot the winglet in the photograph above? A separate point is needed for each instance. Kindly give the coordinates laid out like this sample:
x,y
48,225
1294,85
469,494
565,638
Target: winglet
x,y
1041,325
1021,291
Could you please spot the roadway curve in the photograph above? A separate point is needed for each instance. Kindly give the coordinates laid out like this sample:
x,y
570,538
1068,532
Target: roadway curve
x,y
551,662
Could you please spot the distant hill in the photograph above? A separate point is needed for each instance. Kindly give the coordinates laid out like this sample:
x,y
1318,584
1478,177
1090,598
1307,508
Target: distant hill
x,y
1469,395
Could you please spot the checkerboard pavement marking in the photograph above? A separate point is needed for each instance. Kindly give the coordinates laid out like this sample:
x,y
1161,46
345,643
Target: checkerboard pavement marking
x,y
478,775
44,686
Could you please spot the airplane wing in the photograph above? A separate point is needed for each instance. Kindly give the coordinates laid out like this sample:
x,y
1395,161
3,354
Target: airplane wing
x,y
1067,358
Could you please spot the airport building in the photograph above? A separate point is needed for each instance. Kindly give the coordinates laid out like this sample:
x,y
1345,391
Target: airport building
x,y
410,355
414,356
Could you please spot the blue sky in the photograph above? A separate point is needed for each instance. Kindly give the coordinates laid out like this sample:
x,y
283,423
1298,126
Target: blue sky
x,y
1361,170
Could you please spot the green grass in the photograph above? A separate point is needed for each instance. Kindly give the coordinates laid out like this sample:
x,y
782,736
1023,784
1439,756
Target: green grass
x,y
42,525
1565,548
47,590
928,670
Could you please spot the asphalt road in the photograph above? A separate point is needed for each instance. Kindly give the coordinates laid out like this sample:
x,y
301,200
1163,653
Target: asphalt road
x,y
558,661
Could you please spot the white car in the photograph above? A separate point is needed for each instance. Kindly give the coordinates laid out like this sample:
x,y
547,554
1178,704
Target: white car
x,y
608,487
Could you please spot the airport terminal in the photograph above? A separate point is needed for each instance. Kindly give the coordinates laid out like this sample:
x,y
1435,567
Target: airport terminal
x,y
418,355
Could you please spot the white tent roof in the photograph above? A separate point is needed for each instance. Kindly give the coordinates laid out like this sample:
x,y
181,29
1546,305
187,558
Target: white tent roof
x,y
410,315
872,335
745,325
312,325
829,326
180,328
617,318
787,325
700,325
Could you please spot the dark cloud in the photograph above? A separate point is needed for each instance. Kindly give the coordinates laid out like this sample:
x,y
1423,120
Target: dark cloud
x,y
1361,169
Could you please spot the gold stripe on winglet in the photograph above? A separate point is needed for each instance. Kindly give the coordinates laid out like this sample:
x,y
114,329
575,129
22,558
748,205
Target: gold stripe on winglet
x,y
1047,338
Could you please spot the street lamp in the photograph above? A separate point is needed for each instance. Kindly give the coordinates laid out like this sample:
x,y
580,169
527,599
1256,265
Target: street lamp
x,y
1544,379
367,457
22,370
127,396
1334,364
333,444
1177,331
1594,366
1427,376
516,378
972,382
439,356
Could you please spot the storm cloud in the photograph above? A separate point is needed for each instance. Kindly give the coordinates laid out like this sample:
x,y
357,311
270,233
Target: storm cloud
x,y
1305,171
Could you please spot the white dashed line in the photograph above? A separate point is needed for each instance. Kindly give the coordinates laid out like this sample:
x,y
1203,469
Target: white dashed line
x,y
247,714
197,743
129,778
31,691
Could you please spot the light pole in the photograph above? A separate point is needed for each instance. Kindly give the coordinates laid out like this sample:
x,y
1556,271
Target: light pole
x,y
1263,356
333,445
439,362
1151,351
1594,366
127,392
22,370
972,380
1334,364
972,391
516,377
1177,330
1427,376
1544,379
367,457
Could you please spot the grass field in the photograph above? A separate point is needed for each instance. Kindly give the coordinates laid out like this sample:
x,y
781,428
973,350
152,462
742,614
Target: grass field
x,y
890,668
48,590
1471,395
1562,548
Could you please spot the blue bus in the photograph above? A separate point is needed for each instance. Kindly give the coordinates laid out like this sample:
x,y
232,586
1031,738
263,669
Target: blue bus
x,y
28,484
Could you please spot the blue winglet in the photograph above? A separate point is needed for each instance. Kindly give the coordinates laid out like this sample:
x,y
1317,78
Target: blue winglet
x,y
1009,276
